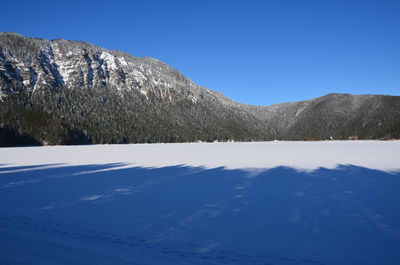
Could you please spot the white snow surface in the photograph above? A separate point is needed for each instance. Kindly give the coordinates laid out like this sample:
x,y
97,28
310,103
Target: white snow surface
x,y
306,156
109,59
72,205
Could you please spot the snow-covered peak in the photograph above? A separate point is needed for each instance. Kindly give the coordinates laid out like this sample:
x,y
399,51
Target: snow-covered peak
x,y
71,64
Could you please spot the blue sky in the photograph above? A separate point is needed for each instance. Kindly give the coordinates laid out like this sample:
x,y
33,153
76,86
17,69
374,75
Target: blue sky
x,y
255,52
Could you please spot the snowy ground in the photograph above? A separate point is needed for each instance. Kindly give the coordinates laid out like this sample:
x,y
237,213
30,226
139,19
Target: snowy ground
x,y
257,155
220,203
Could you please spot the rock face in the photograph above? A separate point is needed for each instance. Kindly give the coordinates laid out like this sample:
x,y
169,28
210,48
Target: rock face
x,y
37,64
69,92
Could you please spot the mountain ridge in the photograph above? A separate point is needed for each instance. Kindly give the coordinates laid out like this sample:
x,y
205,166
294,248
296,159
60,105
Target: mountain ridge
x,y
72,92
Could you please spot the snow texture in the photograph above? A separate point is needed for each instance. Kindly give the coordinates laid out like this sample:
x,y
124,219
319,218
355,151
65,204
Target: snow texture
x,y
277,203
380,155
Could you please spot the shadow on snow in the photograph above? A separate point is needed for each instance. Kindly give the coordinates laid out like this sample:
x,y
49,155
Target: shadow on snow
x,y
101,214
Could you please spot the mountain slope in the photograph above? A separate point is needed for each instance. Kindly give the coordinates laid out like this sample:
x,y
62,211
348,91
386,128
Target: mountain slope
x,y
70,92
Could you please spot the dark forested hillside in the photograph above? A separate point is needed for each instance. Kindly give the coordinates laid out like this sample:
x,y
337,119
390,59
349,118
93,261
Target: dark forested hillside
x,y
68,92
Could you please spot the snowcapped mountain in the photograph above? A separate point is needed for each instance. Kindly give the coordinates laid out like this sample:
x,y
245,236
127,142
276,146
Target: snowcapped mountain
x,y
69,92
37,64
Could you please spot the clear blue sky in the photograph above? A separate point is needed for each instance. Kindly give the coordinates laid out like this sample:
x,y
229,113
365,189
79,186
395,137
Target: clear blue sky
x,y
255,52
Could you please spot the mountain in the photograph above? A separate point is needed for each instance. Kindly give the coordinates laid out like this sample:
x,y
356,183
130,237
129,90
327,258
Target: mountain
x,y
71,92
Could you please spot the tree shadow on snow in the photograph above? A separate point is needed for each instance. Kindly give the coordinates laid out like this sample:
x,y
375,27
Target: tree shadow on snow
x,y
95,214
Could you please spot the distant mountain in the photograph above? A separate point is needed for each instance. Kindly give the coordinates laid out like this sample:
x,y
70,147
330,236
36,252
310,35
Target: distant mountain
x,y
70,92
